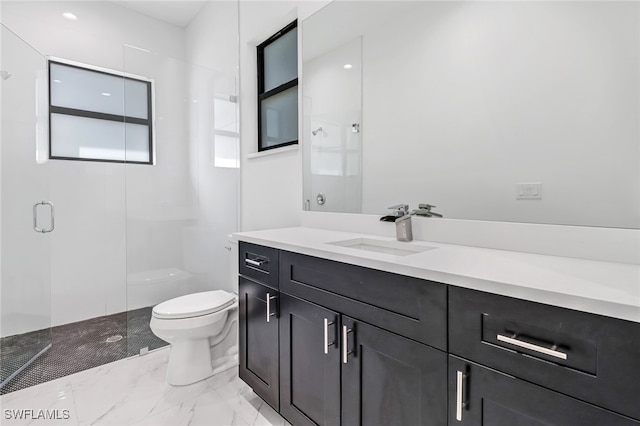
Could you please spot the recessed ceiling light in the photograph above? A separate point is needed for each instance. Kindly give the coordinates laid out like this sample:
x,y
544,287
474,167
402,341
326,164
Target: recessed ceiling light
x,y
106,94
70,16
57,81
348,66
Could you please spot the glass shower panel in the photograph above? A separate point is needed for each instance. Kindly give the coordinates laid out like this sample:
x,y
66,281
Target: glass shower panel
x,y
25,311
181,209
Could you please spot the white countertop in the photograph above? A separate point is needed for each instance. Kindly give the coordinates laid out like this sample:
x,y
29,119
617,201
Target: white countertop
x,y
605,288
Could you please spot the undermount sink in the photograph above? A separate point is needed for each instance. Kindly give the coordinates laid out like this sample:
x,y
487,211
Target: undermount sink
x,y
396,248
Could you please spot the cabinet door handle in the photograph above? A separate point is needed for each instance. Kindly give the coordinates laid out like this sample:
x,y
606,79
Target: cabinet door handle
x,y
326,335
269,313
460,377
531,346
258,262
345,343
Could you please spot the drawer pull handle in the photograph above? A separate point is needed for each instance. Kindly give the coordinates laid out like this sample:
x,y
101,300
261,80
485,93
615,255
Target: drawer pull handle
x,y
345,343
526,345
327,344
258,262
460,377
269,313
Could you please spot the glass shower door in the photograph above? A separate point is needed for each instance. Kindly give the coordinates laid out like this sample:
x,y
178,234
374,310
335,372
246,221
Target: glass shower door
x,y
181,209
27,217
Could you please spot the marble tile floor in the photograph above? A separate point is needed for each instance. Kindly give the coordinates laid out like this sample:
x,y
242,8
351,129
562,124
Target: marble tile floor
x,y
133,392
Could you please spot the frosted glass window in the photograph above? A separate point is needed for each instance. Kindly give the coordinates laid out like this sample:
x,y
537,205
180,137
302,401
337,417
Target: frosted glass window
x,y
77,88
278,89
281,60
81,137
136,98
137,143
280,118
97,115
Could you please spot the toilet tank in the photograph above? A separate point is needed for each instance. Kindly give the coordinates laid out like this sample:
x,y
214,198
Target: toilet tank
x,y
233,263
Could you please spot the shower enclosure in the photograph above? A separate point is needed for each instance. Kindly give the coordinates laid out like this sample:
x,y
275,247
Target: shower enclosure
x,y
124,236
25,294
25,297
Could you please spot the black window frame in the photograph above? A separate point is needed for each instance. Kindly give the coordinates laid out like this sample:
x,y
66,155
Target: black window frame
x,y
262,95
53,109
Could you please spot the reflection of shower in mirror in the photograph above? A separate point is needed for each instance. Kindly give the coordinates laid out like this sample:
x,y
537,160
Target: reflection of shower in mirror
x,y
6,75
315,132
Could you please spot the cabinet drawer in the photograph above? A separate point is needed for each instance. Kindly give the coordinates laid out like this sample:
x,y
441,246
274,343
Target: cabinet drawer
x,y
591,357
259,263
407,306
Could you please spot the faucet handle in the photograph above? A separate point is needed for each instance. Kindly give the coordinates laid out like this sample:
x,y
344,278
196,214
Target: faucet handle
x,y
427,207
403,208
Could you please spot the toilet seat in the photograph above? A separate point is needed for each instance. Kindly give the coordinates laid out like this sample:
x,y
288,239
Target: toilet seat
x,y
194,305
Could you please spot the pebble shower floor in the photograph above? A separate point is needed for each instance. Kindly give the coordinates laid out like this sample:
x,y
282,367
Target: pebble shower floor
x,y
78,346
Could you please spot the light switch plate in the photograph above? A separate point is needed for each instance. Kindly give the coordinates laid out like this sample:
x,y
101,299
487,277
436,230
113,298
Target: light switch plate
x,y
529,191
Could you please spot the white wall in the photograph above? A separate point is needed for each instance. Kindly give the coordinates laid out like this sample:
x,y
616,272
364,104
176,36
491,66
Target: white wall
x,y
501,93
271,192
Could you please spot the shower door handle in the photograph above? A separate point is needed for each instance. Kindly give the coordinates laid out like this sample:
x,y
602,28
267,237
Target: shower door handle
x,y
35,217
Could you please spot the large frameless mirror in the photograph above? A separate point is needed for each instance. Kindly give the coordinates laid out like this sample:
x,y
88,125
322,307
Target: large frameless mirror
x,y
498,111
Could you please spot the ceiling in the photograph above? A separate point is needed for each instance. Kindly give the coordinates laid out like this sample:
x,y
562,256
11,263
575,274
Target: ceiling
x,y
179,13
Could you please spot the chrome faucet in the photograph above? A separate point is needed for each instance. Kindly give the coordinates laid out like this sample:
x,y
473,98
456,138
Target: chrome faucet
x,y
403,228
402,219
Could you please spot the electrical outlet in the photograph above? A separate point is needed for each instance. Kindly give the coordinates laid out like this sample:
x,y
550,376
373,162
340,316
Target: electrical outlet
x,y
529,191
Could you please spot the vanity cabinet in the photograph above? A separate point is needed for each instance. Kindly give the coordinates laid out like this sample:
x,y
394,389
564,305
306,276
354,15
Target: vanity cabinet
x,y
309,363
337,370
407,306
356,363
328,343
590,357
258,322
388,379
482,396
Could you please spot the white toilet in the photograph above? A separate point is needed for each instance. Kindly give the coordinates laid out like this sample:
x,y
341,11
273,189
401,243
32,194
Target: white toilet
x,y
192,324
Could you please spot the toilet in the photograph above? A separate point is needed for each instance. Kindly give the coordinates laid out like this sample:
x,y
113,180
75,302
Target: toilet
x,y
192,324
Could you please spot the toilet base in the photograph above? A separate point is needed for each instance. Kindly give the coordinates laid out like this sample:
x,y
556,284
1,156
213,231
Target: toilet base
x,y
189,362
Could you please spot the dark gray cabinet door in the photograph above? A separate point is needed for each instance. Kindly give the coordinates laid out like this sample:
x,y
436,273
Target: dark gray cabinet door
x,y
481,396
259,340
309,363
390,380
593,358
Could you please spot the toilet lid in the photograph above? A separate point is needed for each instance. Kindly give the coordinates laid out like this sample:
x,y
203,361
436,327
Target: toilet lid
x,y
193,305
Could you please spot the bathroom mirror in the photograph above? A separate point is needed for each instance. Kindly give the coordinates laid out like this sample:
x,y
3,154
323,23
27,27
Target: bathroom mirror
x,y
499,111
